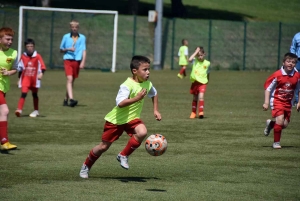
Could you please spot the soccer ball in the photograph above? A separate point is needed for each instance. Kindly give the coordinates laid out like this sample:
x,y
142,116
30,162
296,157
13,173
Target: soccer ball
x,y
156,144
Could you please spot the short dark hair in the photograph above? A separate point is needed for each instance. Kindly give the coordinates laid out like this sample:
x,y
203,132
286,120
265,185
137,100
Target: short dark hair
x,y
289,56
137,60
29,41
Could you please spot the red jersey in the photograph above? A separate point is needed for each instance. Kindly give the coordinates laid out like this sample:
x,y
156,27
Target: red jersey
x,y
30,66
282,87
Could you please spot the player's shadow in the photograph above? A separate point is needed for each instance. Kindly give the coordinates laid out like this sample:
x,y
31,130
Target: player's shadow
x,y
27,115
282,147
131,179
8,151
156,190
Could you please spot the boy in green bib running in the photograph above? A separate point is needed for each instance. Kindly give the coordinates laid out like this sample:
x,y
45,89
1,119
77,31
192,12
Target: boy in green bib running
x,y
183,55
125,116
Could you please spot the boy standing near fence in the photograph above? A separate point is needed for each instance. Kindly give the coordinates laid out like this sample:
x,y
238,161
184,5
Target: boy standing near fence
x,y
31,68
279,92
125,116
199,78
8,66
183,55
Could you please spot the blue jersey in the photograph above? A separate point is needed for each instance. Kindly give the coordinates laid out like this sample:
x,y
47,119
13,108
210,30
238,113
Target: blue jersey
x,y
295,46
78,43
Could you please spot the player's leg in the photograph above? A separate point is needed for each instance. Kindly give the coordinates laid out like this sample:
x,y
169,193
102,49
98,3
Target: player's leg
x,y
182,72
24,91
194,106
111,133
5,144
202,89
137,131
269,126
279,124
35,97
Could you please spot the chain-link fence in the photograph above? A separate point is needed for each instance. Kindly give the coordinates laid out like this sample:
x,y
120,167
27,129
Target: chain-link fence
x,y
228,44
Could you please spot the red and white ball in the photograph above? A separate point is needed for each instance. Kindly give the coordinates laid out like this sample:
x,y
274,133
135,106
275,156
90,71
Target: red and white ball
x,y
156,144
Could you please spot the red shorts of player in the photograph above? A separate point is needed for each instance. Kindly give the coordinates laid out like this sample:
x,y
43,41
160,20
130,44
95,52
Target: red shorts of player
x,y
197,88
72,68
26,89
278,112
112,132
2,98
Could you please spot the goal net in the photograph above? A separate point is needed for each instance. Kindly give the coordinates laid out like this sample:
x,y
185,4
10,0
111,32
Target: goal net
x,y
48,25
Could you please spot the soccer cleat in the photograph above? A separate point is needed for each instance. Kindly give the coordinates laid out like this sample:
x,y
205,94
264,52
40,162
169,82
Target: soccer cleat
x,y
35,113
179,76
201,115
193,115
73,103
8,146
84,172
18,112
123,161
276,145
65,103
268,127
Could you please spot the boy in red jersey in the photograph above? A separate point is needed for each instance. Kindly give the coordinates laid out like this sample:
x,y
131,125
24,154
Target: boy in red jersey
x,y
8,66
279,92
199,78
125,116
31,68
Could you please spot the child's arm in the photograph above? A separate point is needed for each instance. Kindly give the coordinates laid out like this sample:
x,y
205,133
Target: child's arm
x,y
129,101
157,115
194,54
267,100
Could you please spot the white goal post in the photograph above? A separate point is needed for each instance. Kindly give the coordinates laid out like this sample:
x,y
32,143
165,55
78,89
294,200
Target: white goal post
x,y
115,13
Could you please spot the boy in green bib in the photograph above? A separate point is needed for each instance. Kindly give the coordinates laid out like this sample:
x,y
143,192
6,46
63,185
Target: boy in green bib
x,y
125,116
199,78
8,67
183,55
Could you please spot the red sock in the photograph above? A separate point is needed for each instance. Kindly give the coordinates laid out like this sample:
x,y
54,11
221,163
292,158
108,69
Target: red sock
x,y
91,159
194,106
21,103
130,147
36,103
3,132
182,71
272,123
201,106
277,132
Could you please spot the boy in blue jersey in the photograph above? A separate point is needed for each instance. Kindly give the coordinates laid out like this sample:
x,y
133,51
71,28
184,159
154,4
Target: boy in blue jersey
x,y
125,116
74,48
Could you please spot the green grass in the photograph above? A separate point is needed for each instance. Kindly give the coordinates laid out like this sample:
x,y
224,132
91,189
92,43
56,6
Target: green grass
x,y
224,156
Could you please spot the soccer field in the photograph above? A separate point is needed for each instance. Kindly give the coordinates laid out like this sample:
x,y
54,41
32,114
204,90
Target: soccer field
x,y
224,156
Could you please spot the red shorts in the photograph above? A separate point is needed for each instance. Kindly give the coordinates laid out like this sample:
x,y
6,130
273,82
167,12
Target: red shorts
x,y
278,112
112,132
72,68
26,89
2,98
197,88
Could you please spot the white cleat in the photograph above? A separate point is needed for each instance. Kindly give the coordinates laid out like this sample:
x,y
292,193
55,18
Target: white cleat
x,y
268,128
84,172
123,161
276,145
35,113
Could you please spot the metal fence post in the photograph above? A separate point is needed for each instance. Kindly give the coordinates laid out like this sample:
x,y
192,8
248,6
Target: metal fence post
x,y
173,44
279,44
245,44
51,40
134,35
209,39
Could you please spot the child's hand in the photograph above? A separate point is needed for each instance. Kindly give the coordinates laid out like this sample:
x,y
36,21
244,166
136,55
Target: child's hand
x,y
141,94
157,115
40,76
265,106
4,71
298,106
